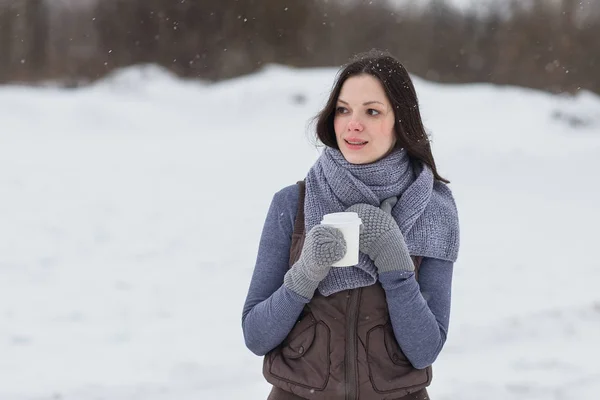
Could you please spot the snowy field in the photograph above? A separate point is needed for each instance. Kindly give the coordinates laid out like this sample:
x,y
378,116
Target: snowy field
x,y
130,214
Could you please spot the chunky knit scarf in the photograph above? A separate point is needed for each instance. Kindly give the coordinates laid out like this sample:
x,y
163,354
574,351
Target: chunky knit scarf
x,y
425,211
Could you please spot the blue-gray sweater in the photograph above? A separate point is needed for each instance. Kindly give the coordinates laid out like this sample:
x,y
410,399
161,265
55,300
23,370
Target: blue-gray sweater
x,y
419,312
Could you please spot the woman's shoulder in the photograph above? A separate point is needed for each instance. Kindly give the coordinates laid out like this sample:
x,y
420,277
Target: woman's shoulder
x,y
288,195
286,202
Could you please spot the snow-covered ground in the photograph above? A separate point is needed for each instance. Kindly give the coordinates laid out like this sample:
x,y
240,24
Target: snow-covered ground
x,y
130,214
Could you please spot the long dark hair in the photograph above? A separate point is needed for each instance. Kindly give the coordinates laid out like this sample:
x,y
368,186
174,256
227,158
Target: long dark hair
x,y
399,89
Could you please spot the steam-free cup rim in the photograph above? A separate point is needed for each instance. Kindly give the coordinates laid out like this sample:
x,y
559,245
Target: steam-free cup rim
x,y
341,218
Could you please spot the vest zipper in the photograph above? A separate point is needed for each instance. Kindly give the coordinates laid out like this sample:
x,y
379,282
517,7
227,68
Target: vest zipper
x,y
351,359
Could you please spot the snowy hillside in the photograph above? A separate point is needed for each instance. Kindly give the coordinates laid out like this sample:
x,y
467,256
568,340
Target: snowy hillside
x,y
130,214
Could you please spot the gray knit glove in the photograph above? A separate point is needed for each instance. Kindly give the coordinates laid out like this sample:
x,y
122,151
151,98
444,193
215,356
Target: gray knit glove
x,y
381,239
323,246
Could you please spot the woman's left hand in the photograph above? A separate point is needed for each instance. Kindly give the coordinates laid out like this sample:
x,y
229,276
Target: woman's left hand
x,y
381,239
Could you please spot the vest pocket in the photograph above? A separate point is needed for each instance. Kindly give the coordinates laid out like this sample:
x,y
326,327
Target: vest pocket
x,y
389,369
303,358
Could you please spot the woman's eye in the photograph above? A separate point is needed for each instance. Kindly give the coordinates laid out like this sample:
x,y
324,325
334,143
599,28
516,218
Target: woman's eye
x,y
371,111
341,110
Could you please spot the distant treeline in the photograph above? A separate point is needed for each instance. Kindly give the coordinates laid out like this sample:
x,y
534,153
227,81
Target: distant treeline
x,y
549,45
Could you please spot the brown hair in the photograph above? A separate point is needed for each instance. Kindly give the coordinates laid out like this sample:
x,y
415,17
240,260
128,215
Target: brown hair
x,y
399,89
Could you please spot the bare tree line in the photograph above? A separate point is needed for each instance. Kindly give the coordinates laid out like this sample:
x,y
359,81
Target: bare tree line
x,y
552,46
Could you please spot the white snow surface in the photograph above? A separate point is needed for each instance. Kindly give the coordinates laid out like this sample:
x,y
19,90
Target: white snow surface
x,y
131,210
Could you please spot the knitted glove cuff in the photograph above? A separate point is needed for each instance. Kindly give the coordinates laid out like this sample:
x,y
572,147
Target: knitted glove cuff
x,y
390,253
298,282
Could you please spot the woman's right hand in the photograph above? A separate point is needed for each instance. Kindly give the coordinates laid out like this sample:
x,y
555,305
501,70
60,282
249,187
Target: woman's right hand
x,y
323,246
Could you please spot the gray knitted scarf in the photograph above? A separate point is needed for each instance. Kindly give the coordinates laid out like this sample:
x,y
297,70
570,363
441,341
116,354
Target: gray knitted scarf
x,y
425,211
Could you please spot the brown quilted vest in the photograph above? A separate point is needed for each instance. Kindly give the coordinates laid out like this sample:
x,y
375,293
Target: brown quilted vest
x,y
342,347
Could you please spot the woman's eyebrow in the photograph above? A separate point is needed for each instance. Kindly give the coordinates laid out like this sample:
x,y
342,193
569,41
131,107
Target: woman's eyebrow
x,y
366,103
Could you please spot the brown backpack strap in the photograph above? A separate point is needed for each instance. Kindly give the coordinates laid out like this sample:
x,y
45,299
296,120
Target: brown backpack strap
x,y
417,262
298,233
299,222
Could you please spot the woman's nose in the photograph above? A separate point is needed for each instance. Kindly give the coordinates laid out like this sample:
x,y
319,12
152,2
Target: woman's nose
x,y
355,125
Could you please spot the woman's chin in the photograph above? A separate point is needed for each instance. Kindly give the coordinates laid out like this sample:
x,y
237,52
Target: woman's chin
x,y
358,157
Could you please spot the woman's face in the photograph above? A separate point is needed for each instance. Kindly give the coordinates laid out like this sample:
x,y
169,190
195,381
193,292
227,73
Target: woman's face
x,y
364,120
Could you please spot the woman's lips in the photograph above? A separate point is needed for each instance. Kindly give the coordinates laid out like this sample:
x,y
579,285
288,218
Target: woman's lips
x,y
355,143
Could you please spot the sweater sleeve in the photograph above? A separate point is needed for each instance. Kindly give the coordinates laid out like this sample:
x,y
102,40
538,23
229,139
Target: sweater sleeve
x,y
271,309
420,311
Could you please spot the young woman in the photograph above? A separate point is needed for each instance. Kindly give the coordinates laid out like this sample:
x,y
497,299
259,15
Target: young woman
x,y
373,330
